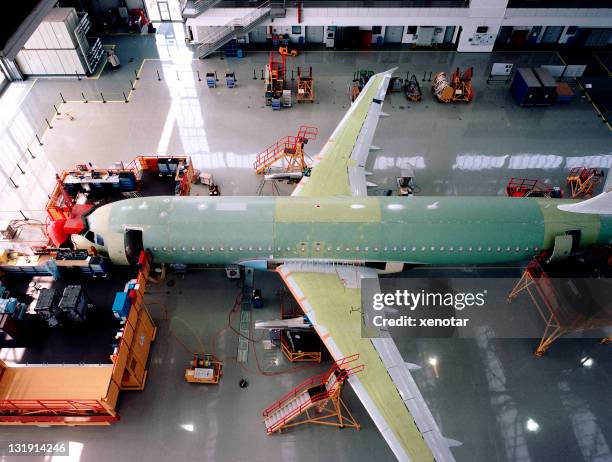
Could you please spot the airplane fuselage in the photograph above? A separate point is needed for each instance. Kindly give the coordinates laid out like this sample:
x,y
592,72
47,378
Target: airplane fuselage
x,y
416,230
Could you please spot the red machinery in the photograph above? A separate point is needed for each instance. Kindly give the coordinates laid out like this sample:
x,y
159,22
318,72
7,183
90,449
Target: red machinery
x,y
462,84
275,77
524,187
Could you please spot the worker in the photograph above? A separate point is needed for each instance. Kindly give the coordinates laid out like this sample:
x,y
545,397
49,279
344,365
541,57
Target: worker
x,y
112,59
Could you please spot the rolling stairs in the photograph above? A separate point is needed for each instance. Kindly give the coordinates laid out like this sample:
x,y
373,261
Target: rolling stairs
x,y
290,148
316,401
237,27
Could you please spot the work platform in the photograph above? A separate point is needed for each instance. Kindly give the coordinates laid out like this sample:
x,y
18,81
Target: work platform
x,y
94,361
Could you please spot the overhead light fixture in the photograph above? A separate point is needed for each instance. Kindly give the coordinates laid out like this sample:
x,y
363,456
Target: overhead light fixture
x,y
357,206
532,425
432,361
587,361
188,427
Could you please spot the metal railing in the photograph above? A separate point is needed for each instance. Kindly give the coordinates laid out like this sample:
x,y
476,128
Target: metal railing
x,y
235,27
361,4
196,8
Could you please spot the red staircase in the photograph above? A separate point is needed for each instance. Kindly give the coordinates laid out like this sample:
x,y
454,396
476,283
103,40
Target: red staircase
x,y
321,392
290,147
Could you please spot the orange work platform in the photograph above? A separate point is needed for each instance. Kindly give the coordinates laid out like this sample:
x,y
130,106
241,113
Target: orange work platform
x,y
560,316
525,187
81,394
290,148
582,181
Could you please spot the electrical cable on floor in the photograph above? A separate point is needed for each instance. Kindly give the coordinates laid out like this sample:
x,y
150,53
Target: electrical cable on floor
x,y
253,341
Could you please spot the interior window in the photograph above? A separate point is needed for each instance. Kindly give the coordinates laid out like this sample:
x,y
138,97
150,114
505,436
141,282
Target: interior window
x,y
89,235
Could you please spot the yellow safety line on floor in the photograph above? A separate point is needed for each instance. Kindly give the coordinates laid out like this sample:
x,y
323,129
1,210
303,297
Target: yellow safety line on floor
x,y
586,94
602,63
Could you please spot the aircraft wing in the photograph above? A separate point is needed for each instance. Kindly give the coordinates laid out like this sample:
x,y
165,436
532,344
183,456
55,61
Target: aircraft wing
x,y
331,297
340,166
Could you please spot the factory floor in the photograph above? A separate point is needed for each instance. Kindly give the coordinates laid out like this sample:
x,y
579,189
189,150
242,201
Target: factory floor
x,y
486,393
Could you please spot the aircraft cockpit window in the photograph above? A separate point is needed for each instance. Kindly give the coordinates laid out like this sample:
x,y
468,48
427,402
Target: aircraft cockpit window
x,y
99,240
89,235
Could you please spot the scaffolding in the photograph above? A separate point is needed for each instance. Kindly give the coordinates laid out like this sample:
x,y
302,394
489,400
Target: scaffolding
x,y
275,77
305,88
290,148
316,401
582,181
560,318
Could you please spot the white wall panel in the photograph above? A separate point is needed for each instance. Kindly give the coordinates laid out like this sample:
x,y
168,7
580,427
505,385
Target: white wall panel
x,y
23,63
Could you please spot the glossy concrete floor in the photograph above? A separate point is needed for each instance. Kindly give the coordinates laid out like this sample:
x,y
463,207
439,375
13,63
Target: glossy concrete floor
x,y
490,394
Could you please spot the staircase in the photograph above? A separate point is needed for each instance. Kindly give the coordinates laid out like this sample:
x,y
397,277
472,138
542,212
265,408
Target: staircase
x,y
318,391
195,8
237,27
290,147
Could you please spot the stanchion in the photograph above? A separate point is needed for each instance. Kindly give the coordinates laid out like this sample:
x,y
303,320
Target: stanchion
x,y
40,143
132,85
178,77
262,75
48,124
292,75
424,76
254,75
158,77
31,155
84,99
125,98
429,79
78,76
136,75
199,79
20,169
14,184
56,111
102,95
62,96
216,78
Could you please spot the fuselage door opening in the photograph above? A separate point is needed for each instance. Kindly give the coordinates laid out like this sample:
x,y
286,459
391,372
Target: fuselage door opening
x,y
133,245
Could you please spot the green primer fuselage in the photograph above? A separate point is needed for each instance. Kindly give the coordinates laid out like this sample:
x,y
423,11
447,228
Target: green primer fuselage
x,y
420,230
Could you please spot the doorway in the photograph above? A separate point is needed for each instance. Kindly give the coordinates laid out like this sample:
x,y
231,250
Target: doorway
x,y
394,34
164,11
133,245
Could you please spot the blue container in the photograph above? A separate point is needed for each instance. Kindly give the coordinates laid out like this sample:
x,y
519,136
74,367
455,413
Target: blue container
x,y
526,87
121,305
239,53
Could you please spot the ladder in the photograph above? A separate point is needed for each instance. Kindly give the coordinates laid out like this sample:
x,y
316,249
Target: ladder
x,y
290,148
316,400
